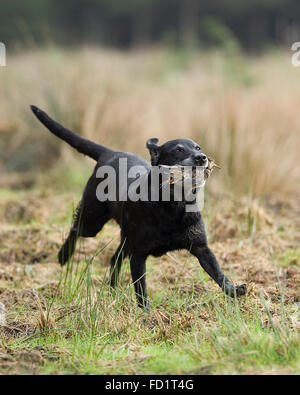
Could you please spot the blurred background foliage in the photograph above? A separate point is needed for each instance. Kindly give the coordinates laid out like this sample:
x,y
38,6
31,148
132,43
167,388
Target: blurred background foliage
x,y
121,71
253,24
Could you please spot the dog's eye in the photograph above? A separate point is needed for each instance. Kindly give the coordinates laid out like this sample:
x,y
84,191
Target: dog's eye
x,y
198,148
179,149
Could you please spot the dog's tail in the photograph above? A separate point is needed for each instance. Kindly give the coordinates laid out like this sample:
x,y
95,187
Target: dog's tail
x,y
82,145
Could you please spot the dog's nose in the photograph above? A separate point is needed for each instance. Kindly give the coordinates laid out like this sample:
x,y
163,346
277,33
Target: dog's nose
x,y
200,158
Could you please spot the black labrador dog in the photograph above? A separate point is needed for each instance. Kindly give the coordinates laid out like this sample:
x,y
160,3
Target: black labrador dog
x,y
147,227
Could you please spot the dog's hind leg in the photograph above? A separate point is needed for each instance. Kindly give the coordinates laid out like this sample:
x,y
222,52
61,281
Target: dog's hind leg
x,y
84,225
138,273
67,249
116,263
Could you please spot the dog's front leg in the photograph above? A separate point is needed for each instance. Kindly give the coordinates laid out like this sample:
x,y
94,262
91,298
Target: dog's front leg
x,y
210,264
138,273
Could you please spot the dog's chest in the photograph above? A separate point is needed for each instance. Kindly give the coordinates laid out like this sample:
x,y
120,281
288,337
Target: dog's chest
x,y
155,235
175,236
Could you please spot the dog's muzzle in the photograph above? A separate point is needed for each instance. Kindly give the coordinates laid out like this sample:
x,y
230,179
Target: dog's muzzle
x,y
201,160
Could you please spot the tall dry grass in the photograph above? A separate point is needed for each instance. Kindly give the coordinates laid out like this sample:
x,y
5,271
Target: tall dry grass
x,y
243,111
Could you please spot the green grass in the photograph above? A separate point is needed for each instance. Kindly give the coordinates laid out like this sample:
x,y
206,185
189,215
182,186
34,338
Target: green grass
x,y
291,257
107,334
193,327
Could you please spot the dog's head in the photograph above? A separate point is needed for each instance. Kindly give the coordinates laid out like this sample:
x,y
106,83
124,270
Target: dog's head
x,y
180,152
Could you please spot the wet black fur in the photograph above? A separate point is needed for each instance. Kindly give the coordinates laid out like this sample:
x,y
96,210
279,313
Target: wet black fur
x,y
147,228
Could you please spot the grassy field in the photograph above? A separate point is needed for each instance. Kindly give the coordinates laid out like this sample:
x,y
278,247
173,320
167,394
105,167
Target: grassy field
x,y
244,113
68,321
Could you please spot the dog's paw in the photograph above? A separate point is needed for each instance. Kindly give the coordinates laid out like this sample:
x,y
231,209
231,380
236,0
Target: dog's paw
x,y
61,256
237,291
241,290
146,308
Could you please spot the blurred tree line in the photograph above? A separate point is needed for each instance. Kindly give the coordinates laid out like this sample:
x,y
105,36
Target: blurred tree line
x,y
130,23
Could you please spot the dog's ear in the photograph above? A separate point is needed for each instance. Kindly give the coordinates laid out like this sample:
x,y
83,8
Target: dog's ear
x,y
154,150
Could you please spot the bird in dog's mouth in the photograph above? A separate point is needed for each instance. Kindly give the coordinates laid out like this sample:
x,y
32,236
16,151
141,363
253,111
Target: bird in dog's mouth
x,y
195,175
